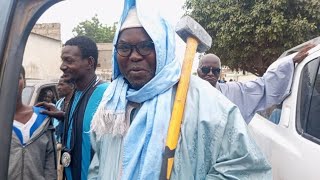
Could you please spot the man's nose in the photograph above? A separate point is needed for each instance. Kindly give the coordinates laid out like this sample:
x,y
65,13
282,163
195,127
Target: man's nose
x,y
63,67
135,55
210,72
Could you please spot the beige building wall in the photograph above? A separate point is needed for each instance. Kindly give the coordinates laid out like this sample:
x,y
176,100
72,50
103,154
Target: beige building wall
x,y
228,74
104,68
51,30
42,54
42,57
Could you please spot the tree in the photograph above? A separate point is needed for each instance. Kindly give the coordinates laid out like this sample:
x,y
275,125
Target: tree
x,y
251,34
95,30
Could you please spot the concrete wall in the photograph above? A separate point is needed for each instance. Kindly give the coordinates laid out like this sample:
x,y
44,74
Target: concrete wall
x,y
42,57
104,68
42,54
228,74
52,30
240,77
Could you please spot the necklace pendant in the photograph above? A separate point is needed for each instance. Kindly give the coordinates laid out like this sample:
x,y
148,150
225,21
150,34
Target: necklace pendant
x,y
66,159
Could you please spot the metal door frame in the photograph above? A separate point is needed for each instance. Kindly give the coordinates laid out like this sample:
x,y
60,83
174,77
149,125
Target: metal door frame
x,y
23,16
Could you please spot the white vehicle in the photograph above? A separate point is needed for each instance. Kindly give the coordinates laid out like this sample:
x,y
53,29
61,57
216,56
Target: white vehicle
x,y
292,143
35,89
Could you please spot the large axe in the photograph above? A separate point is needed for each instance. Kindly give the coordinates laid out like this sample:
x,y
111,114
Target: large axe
x,y
197,40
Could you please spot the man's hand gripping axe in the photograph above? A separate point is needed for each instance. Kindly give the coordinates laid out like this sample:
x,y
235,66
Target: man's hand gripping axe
x,y
197,40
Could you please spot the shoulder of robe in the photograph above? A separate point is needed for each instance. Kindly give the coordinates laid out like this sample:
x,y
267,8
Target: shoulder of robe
x,y
203,92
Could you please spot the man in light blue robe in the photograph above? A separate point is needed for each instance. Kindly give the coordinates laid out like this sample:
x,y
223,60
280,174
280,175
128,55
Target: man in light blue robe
x,y
253,96
129,128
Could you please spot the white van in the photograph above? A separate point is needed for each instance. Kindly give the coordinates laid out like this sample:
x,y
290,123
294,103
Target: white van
x,y
35,89
291,141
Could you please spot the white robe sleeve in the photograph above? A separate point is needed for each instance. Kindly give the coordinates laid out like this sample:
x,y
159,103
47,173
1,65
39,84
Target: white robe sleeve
x,y
270,89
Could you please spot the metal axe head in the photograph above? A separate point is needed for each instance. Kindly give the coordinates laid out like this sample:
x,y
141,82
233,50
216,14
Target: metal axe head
x,y
188,27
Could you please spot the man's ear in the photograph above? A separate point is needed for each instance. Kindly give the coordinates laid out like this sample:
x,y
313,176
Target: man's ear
x,y
199,71
91,62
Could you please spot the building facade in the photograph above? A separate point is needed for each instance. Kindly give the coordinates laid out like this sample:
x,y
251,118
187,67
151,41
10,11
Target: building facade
x,y
41,58
43,50
104,69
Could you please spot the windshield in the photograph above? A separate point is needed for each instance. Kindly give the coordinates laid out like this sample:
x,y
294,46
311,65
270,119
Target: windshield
x,y
27,94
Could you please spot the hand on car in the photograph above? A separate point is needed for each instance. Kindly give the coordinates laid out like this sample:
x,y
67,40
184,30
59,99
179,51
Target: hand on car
x,y
51,110
303,53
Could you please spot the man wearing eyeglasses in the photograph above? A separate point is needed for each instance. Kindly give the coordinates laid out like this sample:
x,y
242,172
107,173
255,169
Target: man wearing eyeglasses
x,y
79,62
252,96
209,68
130,126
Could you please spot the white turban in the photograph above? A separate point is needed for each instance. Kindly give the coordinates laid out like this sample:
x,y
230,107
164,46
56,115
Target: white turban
x,y
132,20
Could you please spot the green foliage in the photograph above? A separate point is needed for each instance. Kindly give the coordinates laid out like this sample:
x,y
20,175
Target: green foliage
x,y
95,30
251,34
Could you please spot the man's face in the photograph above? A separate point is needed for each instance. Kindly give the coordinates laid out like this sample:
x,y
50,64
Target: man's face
x,y
48,97
138,67
209,64
64,88
21,86
73,66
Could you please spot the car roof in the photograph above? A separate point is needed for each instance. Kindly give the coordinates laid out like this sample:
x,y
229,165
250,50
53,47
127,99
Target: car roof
x,y
315,49
315,41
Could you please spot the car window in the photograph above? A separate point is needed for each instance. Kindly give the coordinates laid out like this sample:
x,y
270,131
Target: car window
x,y
27,94
48,93
313,121
273,113
308,109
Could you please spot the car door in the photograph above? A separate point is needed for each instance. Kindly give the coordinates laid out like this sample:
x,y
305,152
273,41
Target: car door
x,y
293,146
17,17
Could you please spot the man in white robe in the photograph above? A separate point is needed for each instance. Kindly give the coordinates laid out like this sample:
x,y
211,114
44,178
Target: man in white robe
x,y
130,127
252,96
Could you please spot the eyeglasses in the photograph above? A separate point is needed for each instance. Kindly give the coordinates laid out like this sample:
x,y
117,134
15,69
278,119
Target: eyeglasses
x,y
144,48
206,70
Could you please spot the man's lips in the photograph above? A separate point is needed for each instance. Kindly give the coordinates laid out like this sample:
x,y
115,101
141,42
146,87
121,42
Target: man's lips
x,y
66,76
210,78
136,70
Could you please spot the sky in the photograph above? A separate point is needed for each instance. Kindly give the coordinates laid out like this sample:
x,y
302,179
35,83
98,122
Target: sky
x,y
70,13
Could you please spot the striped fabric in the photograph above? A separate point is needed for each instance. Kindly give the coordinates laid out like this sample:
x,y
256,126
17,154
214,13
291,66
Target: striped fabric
x,y
25,131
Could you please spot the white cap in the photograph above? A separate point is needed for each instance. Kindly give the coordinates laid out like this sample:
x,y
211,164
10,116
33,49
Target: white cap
x,y
132,20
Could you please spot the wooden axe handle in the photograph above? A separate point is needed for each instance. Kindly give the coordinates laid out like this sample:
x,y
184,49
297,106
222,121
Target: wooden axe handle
x,y
59,165
178,109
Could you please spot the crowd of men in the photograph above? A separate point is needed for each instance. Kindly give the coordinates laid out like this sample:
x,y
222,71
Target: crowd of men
x,y
118,130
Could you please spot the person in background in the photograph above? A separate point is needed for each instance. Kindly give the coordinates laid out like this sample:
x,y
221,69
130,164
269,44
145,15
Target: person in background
x,y
276,114
79,62
65,90
223,80
32,152
48,96
257,95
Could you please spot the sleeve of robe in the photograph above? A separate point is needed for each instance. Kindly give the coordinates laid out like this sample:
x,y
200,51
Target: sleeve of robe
x,y
214,142
262,93
238,156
